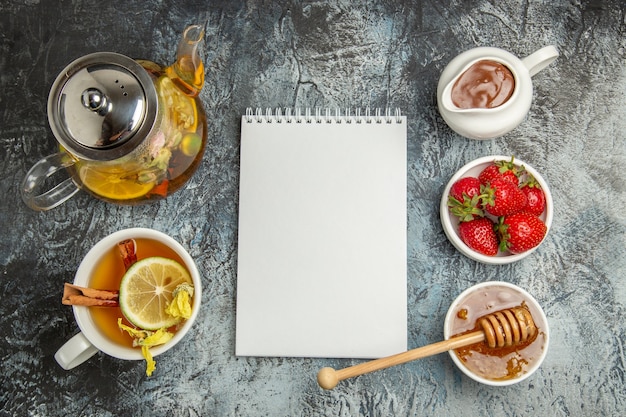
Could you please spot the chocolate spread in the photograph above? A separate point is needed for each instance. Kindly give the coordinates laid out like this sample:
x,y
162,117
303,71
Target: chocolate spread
x,y
486,84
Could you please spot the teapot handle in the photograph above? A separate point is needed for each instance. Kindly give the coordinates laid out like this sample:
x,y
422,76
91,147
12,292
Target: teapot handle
x,y
540,59
32,186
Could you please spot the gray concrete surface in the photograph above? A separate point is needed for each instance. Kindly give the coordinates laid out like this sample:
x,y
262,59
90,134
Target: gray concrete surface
x,y
325,54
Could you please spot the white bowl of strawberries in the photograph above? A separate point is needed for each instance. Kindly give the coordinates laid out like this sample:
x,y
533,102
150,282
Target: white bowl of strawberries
x,y
496,209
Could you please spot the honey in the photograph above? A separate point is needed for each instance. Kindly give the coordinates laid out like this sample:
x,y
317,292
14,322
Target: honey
x,y
497,364
107,275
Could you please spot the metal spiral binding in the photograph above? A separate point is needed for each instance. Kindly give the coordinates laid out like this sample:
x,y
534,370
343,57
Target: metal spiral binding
x,y
320,116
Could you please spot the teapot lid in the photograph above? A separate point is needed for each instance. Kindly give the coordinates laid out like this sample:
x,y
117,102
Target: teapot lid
x,y
102,106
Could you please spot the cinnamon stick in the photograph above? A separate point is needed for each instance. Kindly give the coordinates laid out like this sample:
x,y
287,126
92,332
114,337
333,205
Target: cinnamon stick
x,y
128,251
81,296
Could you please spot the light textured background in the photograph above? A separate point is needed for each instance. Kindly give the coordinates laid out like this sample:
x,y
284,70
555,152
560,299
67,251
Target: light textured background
x,y
325,54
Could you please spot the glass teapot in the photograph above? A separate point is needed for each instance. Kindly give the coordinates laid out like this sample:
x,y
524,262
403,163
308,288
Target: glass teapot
x,y
130,131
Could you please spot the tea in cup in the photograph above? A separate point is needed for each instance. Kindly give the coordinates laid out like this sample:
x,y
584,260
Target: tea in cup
x,y
486,92
103,268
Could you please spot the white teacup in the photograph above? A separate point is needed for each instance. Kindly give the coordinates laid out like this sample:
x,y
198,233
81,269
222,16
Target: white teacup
x,y
90,340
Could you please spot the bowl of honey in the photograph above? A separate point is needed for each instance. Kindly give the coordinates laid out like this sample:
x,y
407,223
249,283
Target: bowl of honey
x,y
498,366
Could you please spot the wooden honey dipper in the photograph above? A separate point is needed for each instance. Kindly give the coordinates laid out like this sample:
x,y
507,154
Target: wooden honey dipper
x,y
502,328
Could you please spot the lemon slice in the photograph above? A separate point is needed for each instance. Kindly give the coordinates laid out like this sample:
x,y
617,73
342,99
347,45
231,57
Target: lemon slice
x,y
110,183
147,289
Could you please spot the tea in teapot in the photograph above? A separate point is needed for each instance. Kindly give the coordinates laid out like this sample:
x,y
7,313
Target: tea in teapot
x,y
130,131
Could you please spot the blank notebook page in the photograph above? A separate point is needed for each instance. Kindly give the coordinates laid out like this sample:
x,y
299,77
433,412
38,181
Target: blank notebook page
x,y
322,238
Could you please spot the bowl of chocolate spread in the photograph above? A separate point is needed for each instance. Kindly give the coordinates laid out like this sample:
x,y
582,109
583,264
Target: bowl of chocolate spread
x,y
486,92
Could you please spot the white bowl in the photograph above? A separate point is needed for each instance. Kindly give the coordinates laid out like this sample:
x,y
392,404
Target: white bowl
x,y
494,296
450,222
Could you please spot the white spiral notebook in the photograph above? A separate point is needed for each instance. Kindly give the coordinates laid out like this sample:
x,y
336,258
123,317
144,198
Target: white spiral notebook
x,y
321,268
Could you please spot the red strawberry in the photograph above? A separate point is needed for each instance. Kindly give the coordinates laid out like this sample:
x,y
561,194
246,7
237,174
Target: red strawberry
x,y
464,199
468,186
479,235
535,196
520,232
500,169
501,197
